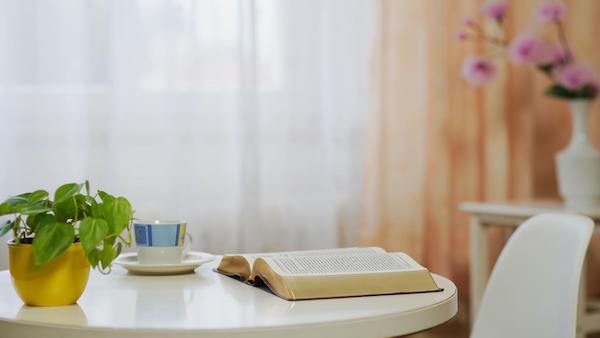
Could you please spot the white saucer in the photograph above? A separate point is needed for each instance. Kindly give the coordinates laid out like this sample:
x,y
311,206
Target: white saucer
x,y
191,261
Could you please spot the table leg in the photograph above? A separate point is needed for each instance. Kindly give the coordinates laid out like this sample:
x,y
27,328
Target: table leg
x,y
479,264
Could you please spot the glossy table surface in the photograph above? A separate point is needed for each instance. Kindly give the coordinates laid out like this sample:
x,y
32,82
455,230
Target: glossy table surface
x,y
207,304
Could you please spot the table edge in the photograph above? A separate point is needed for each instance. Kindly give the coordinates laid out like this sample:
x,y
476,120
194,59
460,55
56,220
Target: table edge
x,y
452,301
516,210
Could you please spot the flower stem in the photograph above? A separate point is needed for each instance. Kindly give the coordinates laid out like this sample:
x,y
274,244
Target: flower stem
x,y
480,32
563,41
495,41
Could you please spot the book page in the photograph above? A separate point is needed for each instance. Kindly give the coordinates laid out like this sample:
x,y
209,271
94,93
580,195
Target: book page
x,y
342,264
326,252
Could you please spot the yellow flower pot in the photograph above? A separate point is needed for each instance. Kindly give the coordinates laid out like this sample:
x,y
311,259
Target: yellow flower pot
x,y
58,282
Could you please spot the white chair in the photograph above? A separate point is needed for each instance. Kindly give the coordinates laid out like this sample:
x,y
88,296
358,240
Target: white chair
x,y
533,289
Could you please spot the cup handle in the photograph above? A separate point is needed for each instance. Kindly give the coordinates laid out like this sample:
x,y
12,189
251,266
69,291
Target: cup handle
x,y
187,244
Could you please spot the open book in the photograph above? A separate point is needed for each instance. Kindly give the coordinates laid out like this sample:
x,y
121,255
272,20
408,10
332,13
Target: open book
x,y
346,272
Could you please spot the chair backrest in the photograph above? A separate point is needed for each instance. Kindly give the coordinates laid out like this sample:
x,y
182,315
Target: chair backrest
x,y
533,289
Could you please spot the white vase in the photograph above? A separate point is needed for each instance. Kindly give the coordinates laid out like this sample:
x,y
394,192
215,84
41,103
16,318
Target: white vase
x,y
579,164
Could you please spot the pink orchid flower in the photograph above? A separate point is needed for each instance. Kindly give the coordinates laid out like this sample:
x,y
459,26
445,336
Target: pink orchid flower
x,y
468,22
478,71
575,76
529,48
495,9
557,55
550,11
548,53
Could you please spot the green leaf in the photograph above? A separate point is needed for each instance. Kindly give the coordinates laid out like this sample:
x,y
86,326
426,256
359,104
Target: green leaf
x,y
107,256
68,203
110,240
66,191
33,209
50,241
74,208
45,220
5,227
87,187
118,249
96,209
117,213
94,257
17,200
37,196
546,68
587,92
559,91
33,220
64,210
105,197
91,232
6,209
83,205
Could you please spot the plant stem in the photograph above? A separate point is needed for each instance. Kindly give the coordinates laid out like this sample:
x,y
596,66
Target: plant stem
x,y
76,210
563,41
103,270
16,236
128,241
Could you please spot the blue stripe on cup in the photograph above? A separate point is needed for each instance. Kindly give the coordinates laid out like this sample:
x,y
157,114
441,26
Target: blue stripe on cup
x,y
141,237
149,232
157,235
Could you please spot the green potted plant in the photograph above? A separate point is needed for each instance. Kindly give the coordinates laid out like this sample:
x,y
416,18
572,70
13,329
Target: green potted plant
x,y
55,241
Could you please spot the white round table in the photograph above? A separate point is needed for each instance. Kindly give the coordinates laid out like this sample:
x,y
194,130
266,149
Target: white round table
x,y
207,304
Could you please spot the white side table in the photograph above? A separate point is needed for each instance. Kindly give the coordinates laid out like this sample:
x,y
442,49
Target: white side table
x,y
512,214
205,304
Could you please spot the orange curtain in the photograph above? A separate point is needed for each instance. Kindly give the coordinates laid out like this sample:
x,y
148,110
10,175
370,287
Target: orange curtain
x,y
434,141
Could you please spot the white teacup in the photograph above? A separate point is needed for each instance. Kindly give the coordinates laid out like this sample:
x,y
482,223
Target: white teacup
x,y
161,242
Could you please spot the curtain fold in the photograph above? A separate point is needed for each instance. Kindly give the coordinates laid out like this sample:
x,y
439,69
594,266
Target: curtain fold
x,y
246,118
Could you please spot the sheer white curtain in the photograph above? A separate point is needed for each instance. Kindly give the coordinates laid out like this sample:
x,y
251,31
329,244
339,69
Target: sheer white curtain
x,y
246,118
